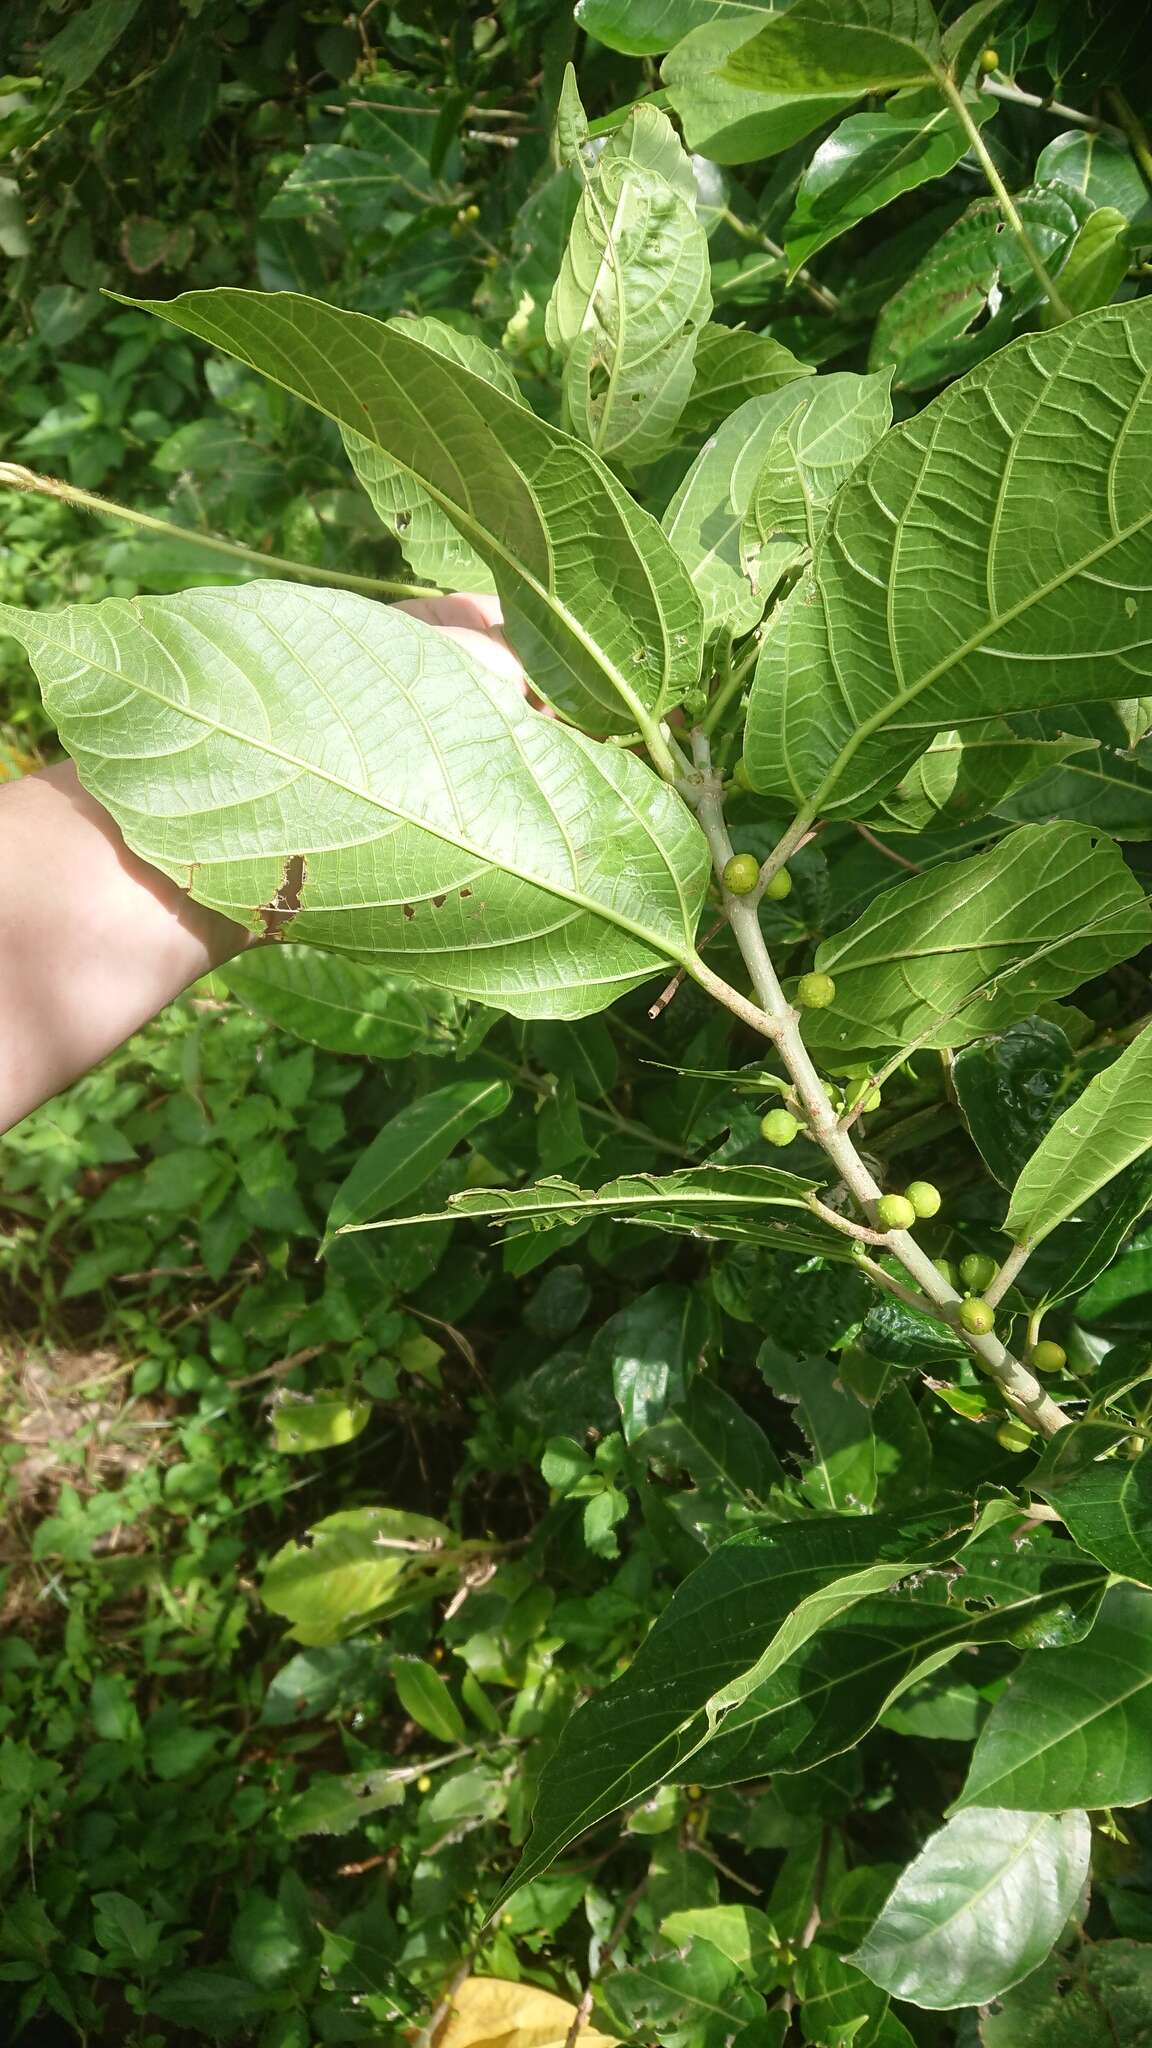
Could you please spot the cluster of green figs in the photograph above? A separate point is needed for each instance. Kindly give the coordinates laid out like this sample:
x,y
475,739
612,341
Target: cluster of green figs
x,y
920,1199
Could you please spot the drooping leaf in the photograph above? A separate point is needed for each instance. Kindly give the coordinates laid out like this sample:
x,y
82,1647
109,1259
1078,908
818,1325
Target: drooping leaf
x,y
869,160
1101,168
426,1699
812,435
979,1908
340,1004
1106,1507
980,770
1074,1727
839,46
857,673
727,120
433,547
633,292
645,28
594,600
751,1605
410,1147
357,1566
1095,265
762,1203
966,296
307,760
731,367
969,947
1105,1129
1096,786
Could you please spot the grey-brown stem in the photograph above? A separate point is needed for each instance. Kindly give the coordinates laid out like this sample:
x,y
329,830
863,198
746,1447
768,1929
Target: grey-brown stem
x,y
778,1021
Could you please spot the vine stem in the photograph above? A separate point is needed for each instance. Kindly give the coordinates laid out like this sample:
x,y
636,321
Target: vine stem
x,y
1000,89
1003,197
776,1020
16,478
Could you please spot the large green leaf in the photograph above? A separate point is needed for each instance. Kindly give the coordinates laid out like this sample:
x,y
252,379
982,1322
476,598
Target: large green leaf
x,y
1105,1129
1107,1509
633,292
972,945
1101,168
817,47
1034,565
749,1607
826,1697
595,601
869,160
307,759
979,1908
1099,786
810,435
411,1146
433,547
979,771
1097,1996
343,1005
357,1566
711,1437
966,296
1074,1727
759,1203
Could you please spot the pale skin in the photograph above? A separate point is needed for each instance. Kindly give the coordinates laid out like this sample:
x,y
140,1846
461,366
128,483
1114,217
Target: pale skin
x,y
93,941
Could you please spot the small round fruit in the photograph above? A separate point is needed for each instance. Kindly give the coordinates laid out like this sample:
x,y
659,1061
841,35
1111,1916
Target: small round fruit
x,y
815,991
741,874
1047,1356
989,61
779,887
1014,1435
778,1127
946,1270
978,1270
424,1784
895,1212
976,1315
925,1199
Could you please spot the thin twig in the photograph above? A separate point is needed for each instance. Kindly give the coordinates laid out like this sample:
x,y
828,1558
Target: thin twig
x,y
999,89
1012,1266
859,1231
14,477
889,852
666,994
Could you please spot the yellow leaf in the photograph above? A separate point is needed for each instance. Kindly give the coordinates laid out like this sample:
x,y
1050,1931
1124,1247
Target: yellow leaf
x,y
491,2012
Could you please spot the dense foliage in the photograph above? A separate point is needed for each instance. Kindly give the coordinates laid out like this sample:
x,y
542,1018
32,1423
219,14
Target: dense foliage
x,y
578,1423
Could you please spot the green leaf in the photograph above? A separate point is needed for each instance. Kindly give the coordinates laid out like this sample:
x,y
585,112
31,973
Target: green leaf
x,y
317,1422
331,1805
633,292
869,160
594,600
426,1699
1099,787
979,1908
1074,1727
972,945
742,1933
1034,593
811,454
818,47
652,1348
726,120
1102,169
978,770
339,1004
1106,1507
737,1618
697,1999
732,366
967,295
711,1437
824,1699
1010,1090
433,821
645,28
842,1476
80,47
1098,1996
831,423
1096,264
433,548
410,1148
359,1566
719,1201
1105,1129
